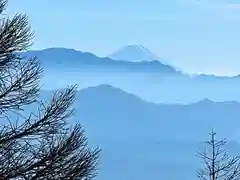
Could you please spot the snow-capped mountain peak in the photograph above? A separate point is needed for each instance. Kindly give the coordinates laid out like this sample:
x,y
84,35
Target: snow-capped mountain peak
x,y
134,53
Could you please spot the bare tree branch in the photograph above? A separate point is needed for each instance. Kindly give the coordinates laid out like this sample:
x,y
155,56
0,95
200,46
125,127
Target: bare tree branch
x,y
218,164
40,146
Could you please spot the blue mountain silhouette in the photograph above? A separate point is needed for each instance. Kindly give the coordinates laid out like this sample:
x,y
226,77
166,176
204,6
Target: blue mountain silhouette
x,y
122,111
150,139
70,58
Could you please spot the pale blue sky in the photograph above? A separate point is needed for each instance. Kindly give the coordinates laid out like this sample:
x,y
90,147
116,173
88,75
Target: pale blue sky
x,y
196,35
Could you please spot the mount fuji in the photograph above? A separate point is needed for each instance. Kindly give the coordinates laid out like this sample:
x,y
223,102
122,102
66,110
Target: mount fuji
x,y
134,53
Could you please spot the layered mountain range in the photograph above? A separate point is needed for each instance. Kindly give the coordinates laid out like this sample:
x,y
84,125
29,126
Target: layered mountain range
x,y
147,116
151,79
150,139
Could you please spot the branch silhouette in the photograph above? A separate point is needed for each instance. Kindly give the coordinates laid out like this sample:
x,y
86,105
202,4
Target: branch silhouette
x,y
218,164
39,146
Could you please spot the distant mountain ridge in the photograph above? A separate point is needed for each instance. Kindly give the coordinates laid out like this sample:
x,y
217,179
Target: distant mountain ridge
x,y
132,113
70,58
111,91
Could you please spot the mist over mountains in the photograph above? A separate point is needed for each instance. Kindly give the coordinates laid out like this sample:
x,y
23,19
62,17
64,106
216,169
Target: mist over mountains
x,y
149,79
125,112
146,115
150,139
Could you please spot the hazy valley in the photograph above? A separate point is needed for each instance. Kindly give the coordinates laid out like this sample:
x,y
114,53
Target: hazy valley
x,y
147,116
